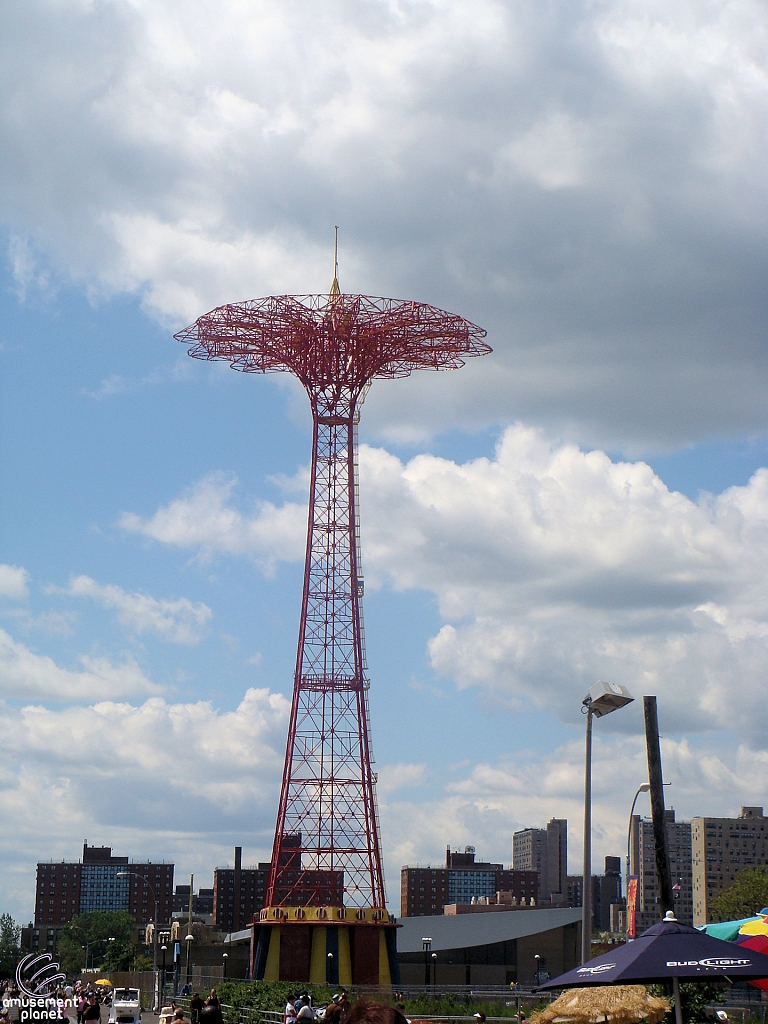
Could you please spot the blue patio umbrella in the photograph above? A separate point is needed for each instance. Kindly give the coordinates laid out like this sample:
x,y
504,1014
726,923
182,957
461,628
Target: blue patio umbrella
x,y
668,951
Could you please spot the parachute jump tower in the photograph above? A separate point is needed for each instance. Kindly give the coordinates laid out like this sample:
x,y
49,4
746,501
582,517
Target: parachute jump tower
x,y
325,918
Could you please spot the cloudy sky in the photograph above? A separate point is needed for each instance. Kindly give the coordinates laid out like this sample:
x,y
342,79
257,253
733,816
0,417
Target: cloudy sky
x,y
583,178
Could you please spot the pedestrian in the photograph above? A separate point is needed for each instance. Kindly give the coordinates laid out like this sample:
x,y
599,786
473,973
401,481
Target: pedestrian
x,y
92,1010
306,1012
195,1006
213,999
480,1017
290,1010
81,1004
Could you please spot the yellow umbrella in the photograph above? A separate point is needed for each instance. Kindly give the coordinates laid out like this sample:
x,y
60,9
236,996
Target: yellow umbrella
x,y
103,981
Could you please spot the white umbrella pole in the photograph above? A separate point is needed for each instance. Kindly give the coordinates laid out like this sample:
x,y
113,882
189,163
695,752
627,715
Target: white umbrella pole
x,y
676,996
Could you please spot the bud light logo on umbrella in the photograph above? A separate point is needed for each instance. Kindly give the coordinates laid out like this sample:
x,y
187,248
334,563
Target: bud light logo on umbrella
x,y
710,961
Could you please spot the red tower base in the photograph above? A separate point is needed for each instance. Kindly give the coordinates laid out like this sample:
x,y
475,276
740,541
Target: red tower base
x,y
336,946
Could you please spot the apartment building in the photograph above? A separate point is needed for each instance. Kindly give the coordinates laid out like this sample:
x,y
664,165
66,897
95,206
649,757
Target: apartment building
x,y
721,849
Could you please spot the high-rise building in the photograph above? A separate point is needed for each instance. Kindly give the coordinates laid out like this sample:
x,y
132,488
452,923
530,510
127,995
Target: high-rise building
x,y
202,901
544,850
238,894
425,891
76,887
606,891
721,849
643,864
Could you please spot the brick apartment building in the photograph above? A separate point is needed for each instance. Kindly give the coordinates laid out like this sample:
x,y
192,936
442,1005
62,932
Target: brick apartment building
x,y
68,888
544,850
239,893
643,864
721,849
425,891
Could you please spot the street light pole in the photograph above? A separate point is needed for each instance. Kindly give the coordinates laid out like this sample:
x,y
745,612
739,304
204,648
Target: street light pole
x,y
125,874
190,937
224,957
434,971
640,789
586,881
426,945
601,700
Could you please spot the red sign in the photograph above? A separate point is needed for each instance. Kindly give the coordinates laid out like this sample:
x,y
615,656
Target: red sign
x,y
631,905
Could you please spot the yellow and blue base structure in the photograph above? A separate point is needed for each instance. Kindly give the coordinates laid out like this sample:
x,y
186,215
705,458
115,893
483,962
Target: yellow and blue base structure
x,y
337,946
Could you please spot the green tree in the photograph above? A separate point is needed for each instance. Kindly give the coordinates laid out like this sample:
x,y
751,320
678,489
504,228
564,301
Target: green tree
x,y
89,935
745,898
695,997
10,933
119,956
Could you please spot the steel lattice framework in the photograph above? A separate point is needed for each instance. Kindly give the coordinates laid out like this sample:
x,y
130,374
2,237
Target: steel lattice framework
x,y
327,834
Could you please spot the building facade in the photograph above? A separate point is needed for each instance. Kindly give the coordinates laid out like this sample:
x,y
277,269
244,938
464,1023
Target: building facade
x,y
643,864
498,949
202,901
69,888
425,891
606,892
544,850
721,849
238,894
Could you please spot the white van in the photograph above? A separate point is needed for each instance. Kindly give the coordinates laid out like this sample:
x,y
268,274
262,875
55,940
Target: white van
x,y
126,1006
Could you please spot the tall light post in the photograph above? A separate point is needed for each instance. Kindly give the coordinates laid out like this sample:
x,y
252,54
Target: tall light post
x,y
162,982
189,940
426,945
537,961
434,971
640,789
126,874
224,958
601,700
644,788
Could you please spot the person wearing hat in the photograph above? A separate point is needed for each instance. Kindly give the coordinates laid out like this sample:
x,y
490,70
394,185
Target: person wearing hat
x,y
480,1017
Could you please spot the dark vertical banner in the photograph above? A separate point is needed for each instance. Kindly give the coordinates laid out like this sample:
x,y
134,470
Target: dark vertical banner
x,y
631,906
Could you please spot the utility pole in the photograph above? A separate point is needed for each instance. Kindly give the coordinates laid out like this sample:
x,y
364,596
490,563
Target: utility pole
x,y
655,778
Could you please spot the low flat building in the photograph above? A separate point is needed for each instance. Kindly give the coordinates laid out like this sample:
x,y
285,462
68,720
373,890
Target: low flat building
x,y
488,949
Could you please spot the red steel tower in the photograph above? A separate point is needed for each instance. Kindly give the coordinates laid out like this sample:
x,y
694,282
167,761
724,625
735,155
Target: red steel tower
x,y
327,849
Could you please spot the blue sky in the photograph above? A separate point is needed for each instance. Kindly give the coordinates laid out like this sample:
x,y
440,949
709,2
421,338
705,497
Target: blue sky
x,y
586,502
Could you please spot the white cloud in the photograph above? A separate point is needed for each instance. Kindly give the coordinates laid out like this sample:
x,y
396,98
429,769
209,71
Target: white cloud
x,y
486,805
173,781
587,185
392,777
182,621
13,582
202,519
552,566
30,676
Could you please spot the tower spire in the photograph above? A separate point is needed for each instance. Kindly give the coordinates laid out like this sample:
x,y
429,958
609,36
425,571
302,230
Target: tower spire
x,y
335,285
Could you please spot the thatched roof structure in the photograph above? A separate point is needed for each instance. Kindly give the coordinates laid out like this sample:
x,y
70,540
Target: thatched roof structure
x,y
612,1004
